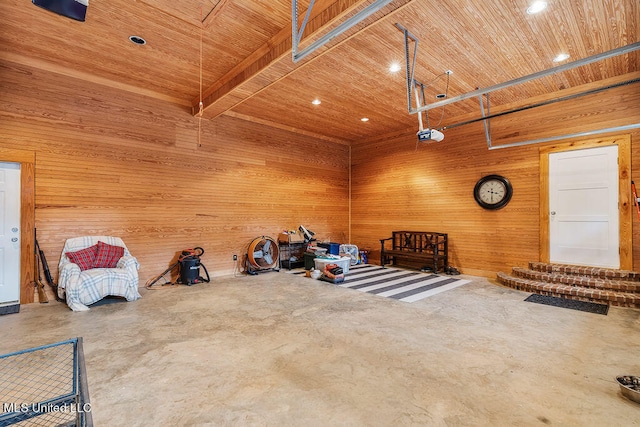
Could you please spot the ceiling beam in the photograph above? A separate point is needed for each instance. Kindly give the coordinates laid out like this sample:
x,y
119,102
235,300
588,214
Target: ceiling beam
x,y
214,13
285,127
272,61
269,52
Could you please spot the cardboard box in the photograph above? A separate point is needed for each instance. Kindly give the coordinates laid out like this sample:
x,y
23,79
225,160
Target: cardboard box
x,y
297,237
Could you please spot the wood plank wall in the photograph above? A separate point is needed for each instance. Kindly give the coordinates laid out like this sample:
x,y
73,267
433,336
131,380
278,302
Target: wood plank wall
x,y
110,162
113,162
429,187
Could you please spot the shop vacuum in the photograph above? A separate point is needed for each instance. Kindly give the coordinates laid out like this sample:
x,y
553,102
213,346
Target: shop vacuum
x,y
189,268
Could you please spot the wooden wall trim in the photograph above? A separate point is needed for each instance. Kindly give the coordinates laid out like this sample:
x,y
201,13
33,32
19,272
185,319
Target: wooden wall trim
x,y
76,74
544,206
27,218
624,192
284,127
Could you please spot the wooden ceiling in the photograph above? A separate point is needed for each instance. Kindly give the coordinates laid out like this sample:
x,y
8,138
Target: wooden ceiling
x,y
247,70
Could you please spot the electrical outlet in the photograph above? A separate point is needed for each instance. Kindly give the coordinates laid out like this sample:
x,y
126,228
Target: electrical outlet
x,y
235,257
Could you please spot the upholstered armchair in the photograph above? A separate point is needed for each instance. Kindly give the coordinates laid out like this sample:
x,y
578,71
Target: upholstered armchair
x,y
93,267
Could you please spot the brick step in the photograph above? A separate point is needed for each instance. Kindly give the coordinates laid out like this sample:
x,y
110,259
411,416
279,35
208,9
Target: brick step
x,y
604,273
602,296
577,280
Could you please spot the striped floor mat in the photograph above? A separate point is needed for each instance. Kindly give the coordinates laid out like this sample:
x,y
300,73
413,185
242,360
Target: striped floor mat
x,y
403,285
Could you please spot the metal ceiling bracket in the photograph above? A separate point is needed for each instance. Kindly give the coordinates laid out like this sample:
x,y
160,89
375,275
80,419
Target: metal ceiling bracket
x,y
568,66
486,117
411,82
410,64
479,92
567,136
296,34
486,121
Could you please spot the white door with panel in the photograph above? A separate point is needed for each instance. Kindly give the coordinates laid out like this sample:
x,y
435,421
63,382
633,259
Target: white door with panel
x,y
584,218
9,233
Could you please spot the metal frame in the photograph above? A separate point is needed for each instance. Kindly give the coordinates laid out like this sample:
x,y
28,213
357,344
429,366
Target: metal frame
x,y
410,64
538,104
485,119
564,67
567,136
296,34
76,398
486,116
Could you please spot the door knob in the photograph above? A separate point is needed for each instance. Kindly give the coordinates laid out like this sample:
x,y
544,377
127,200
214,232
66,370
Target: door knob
x,y
553,212
14,239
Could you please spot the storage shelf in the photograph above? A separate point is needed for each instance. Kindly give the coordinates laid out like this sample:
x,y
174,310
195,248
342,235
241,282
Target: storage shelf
x,y
287,250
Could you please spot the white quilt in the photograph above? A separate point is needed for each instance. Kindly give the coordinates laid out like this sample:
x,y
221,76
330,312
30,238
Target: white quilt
x,y
83,288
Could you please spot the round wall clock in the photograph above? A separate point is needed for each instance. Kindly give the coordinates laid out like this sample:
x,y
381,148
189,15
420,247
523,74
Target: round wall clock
x,y
493,191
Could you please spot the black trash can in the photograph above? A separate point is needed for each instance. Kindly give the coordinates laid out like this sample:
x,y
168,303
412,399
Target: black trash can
x,y
309,264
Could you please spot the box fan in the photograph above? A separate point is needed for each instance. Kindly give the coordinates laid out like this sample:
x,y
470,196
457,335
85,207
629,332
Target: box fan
x,y
352,252
263,255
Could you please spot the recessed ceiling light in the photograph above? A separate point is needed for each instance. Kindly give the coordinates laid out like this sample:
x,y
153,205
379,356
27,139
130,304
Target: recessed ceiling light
x,y
561,57
536,6
365,119
394,67
137,40
316,102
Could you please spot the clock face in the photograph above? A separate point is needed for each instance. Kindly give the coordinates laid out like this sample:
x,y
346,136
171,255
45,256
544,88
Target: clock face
x,y
493,192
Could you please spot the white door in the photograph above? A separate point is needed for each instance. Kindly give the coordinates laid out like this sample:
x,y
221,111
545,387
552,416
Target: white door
x,y
583,207
9,233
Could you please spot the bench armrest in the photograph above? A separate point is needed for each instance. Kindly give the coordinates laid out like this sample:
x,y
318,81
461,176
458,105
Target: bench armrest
x,y
382,256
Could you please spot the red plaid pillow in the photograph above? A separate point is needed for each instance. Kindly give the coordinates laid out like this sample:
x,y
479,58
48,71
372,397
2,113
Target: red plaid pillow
x,y
84,258
108,255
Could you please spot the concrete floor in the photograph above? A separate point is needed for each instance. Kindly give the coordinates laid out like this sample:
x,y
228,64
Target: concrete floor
x,y
285,350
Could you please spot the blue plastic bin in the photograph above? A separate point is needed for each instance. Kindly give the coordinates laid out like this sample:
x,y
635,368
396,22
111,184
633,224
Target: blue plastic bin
x,y
331,247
